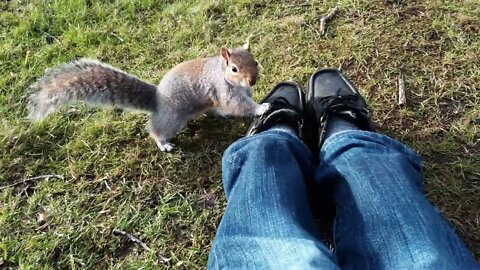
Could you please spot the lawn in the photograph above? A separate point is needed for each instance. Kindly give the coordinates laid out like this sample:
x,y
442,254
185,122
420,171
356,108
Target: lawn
x,y
114,176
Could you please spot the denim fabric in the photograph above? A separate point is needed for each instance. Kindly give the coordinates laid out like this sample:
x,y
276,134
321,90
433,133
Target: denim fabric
x,y
383,219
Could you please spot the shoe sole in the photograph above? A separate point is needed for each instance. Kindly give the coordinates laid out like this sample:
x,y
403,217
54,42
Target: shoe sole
x,y
290,85
301,94
328,71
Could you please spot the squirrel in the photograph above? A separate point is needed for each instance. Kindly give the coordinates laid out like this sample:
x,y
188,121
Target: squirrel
x,y
221,84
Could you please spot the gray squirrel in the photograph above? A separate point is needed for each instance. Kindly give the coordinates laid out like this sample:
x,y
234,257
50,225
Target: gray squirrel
x,y
220,85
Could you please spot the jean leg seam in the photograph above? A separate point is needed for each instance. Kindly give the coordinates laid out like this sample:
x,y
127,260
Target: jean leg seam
x,y
217,267
233,163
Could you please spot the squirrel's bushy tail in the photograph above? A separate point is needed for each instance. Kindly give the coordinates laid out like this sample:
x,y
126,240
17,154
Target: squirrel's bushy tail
x,y
93,82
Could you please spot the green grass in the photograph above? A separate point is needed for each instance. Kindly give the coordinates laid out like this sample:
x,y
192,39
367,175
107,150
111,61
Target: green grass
x,y
115,177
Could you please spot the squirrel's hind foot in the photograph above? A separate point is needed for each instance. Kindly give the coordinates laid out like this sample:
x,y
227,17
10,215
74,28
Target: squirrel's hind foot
x,y
165,146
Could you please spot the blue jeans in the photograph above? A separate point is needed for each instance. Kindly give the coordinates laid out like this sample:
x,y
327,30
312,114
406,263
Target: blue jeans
x,y
383,220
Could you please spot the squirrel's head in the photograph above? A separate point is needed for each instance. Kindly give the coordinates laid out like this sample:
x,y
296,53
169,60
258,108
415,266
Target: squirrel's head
x,y
241,69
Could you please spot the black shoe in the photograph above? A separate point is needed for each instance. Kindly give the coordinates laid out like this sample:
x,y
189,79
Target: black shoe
x,y
331,93
286,108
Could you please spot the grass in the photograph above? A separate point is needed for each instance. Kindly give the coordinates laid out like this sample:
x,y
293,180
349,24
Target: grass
x,y
116,177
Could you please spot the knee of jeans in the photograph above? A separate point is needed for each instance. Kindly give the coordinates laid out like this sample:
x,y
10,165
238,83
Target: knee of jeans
x,y
425,258
256,146
370,142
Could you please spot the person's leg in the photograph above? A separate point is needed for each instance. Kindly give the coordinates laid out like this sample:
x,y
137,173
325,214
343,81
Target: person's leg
x,y
268,223
384,220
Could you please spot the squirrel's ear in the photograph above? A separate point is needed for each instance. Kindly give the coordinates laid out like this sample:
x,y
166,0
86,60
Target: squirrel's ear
x,y
225,54
246,46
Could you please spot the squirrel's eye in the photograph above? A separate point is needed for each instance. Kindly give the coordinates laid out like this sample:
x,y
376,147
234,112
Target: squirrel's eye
x,y
234,69
256,63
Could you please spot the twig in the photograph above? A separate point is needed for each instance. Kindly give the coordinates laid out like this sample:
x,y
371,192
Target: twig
x,y
118,37
137,241
325,19
402,99
132,238
32,179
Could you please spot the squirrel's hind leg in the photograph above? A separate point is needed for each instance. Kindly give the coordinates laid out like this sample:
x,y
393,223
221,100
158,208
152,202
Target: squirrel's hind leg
x,y
163,128
217,113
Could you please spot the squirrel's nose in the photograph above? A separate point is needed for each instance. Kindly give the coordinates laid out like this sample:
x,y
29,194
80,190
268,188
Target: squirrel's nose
x,y
252,81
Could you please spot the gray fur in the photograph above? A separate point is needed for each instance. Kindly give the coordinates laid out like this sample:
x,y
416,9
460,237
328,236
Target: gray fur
x,y
92,82
186,91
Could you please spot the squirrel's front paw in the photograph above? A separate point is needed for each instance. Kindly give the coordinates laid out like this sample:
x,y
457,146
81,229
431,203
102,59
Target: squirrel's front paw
x,y
262,108
165,146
